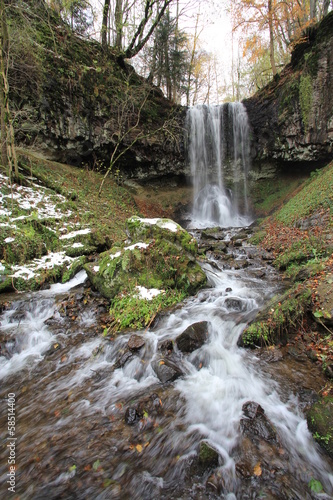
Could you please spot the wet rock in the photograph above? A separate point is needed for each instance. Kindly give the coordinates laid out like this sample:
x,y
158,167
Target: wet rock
x,y
165,346
244,469
256,424
147,407
320,423
208,456
123,359
151,405
215,483
267,256
214,233
166,370
240,264
257,273
233,304
132,416
228,289
271,354
193,337
135,342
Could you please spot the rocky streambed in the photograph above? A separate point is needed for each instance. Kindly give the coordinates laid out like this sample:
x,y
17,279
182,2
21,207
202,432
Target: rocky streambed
x,y
177,410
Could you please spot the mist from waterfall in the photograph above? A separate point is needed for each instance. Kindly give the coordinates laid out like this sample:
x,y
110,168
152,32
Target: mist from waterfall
x,y
219,155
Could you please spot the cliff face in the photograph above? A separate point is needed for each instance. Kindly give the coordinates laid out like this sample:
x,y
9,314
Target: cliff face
x,y
76,103
292,118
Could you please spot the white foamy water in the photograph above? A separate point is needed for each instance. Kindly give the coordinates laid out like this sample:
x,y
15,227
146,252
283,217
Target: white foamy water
x,y
28,336
219,155
218,379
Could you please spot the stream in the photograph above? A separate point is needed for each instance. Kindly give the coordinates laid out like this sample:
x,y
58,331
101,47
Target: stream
x,y
93,420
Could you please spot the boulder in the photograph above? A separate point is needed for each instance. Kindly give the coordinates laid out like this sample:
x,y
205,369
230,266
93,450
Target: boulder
x,y
193,337
135,342
166,370
256,425
161,256
320,423
208,456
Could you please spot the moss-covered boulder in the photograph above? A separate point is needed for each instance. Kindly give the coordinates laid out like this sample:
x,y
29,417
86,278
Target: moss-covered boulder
x,y
278,318
156,270
320,423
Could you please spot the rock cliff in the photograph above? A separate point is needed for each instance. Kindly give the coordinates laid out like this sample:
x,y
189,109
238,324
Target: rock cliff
x,y
292,118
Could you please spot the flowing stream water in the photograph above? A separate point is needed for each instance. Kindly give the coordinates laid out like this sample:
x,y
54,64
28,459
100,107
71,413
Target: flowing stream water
x,y
94,420
76,437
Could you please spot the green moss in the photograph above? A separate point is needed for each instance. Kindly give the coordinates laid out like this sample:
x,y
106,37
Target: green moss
x,y
305,98
132,312
299,251
74,268
279,318
31,239
320,423
208,457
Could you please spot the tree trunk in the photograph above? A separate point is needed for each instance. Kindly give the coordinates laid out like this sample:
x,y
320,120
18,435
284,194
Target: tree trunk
x,y
105,22
271,37
8,152
118,16
313,9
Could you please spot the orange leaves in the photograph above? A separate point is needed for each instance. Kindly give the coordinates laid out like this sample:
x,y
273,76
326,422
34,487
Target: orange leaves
x,y
257,471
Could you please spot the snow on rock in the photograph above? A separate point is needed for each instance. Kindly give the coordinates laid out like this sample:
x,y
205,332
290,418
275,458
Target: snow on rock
x,y
75,233
147,293
46,262
163,223
37,198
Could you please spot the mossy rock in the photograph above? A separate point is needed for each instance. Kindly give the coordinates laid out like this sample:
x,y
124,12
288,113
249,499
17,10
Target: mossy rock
x,y
6,284
139,229
161,259
320,423
74,268
277,319
208,456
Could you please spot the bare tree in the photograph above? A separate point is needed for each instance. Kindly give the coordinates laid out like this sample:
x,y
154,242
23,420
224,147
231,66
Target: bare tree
x,y
8,152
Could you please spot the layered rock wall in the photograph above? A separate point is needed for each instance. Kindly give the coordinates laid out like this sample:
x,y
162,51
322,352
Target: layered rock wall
x,y
292,118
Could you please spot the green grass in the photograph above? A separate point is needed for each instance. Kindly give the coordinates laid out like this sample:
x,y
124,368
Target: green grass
x,y
316,193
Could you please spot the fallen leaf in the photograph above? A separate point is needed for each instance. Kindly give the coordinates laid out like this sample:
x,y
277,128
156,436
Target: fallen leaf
x,y
139,448
257,470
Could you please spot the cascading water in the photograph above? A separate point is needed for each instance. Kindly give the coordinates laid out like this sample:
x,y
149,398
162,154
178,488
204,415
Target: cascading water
x,y
95,421
219,155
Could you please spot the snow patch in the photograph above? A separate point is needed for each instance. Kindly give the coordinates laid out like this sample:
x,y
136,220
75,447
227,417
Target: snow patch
x,y
147,293
48,261
77,245
164,224
9,239
74,233
96,269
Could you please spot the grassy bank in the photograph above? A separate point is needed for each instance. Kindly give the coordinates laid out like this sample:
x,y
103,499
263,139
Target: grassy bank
x,y
299,237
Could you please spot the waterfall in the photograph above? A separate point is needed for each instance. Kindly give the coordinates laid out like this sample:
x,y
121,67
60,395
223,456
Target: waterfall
x,y
219,156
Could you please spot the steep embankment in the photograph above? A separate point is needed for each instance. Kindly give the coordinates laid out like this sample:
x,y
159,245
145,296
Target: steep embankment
x,y
76,103
299,240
